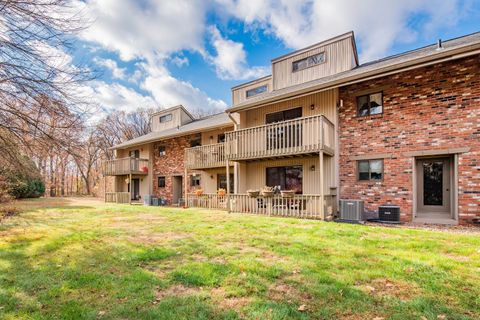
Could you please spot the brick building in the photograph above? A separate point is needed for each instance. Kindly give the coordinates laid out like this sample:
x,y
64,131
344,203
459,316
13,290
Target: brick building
x,y
403,130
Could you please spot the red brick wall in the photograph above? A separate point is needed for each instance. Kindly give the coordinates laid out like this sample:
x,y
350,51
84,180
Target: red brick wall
x,y
436,107
169,165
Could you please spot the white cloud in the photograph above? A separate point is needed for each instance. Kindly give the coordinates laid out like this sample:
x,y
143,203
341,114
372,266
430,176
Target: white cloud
x,y
231,59
151,31
144,29
169,91
115,97
180,61
135,77
117,72
378,24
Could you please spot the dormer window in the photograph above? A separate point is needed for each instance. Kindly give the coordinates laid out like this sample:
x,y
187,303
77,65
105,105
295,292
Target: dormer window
x,y
166,118
257,90
308,62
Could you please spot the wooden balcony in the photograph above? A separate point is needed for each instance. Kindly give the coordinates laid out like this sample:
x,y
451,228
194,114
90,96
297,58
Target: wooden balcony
x,y
125,166
208,156
301,136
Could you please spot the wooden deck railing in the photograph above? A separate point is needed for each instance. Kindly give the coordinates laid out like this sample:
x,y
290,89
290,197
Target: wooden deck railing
x,y
298,136
299,206
208,156
207,200
118,197
125,166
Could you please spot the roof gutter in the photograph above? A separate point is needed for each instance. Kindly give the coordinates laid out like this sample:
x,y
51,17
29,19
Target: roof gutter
x,y
453,54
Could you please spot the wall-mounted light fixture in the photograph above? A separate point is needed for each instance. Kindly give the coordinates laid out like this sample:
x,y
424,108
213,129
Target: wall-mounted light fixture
x,y
312,107
312,167
211,176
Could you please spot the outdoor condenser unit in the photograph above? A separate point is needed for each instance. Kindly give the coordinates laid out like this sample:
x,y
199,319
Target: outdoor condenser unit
x,y
351,210
389,213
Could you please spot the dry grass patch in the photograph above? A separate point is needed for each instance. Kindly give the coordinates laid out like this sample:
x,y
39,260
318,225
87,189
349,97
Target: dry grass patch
x,y
391,288
178,290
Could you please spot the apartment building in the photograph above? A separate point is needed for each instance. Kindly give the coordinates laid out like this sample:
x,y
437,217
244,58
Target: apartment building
x,y
403,130
180,155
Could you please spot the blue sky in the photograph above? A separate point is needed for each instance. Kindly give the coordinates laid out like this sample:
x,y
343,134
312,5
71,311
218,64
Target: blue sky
x,y
167,52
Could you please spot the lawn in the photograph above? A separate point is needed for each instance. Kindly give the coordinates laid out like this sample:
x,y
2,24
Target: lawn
x,y
82,259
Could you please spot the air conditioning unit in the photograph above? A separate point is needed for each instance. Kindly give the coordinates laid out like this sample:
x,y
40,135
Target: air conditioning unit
x,y
389,213
351,210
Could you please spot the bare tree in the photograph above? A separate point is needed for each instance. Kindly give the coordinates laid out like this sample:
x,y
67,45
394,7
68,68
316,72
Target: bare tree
x,y
37,81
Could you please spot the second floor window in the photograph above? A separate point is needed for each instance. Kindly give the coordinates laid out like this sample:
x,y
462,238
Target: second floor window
x,y
370,104
287,135
254,91
166,118
162,151
221,138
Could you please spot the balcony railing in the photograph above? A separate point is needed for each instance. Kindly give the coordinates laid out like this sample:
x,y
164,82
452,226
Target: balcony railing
x,y
292,137
208,156
207,201
117,197
299,206
125,166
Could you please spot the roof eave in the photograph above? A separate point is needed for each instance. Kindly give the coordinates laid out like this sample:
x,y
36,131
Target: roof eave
x,y
121,146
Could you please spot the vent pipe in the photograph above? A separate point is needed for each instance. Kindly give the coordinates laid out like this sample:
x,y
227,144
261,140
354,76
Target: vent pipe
x,y
439,44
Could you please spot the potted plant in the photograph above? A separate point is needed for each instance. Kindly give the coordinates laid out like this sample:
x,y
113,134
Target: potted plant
x,y
221,192
253,193
287,193
198,192
268,191
145,169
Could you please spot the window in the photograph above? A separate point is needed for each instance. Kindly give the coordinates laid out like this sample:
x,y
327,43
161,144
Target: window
x,y
162,151
134,154
308,62
287,178
284,115
195,142
221,138
370,104
166,118
257,90
195,181
285,136
370,170
222,182
161,182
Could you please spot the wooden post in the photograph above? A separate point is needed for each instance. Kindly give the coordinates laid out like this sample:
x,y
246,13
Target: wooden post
x,y
130,182
228,186
104,188
185,186
322,191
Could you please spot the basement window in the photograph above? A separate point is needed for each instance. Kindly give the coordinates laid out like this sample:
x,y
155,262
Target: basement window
x,y
161,182
370,104
166,118
308,62
370,170
257,90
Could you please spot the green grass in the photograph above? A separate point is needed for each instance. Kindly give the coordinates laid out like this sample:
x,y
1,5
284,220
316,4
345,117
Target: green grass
x,y
80,259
